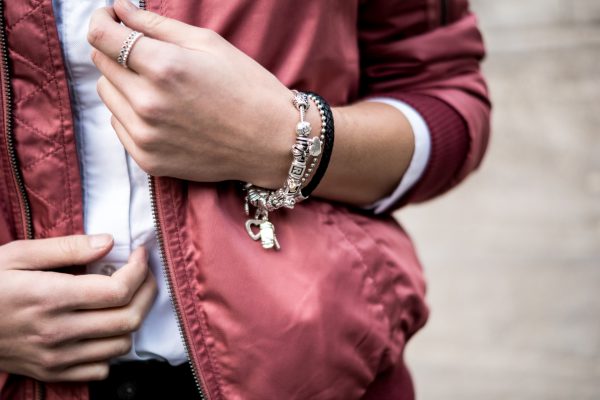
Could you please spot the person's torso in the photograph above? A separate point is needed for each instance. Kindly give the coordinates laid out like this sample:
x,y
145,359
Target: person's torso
x,y
342,294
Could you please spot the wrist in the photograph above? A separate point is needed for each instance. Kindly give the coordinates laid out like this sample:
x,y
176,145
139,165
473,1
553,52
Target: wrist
x,y
307,153
271,168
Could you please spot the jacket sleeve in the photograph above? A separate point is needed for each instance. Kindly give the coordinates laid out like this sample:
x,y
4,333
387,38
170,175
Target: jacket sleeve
x,y
427,53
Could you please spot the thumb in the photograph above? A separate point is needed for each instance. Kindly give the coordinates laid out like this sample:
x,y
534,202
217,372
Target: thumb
x,y
41,254
154,25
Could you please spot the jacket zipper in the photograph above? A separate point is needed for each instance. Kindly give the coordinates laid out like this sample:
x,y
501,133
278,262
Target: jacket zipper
x,y
12,153
167,276
24,206
40,391
443,12
8,129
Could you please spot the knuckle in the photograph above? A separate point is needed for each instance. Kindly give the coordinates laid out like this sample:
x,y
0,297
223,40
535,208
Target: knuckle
x,y
161,73
67,247
150,165
153,284
50,360
95,34
120,294
154,21
124,326
168,70
49,337
94,56
144,138
147,107
40,300
100,85
133,322
208,35
136,321
125,345
44,375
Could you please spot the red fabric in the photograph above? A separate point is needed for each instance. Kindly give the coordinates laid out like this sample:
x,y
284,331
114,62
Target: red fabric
x,y
328,316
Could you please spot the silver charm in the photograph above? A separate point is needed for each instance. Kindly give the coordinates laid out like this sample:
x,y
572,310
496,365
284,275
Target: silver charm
x,y
315,147
266,233
303,128
293,185
300,100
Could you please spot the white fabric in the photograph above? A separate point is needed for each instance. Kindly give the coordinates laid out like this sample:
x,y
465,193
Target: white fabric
x,y
420,156
116,191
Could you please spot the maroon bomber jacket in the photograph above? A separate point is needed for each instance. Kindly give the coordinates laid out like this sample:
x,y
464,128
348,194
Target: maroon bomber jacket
x,y
329,315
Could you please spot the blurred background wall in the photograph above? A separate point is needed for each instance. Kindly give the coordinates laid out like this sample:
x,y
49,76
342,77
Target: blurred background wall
x,y
513,255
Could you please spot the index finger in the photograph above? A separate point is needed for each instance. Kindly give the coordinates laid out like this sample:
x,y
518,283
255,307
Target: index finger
x,y
95,291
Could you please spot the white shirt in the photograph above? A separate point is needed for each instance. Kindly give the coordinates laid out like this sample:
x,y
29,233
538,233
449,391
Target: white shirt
x,y
116,197
116,194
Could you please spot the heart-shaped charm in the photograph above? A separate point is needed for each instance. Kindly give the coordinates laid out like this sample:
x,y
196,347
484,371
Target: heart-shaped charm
x,y
249,224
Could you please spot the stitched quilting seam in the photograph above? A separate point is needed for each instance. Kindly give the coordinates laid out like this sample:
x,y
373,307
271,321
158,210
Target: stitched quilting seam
x,y
23,17
39,159
30,63
61,110
38,89
37,131
41,198
44,233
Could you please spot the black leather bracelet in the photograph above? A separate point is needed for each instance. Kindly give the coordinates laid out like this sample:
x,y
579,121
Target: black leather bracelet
x,y
328,136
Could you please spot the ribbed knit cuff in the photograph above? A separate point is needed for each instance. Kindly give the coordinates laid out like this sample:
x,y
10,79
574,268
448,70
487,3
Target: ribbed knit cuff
x,y
449,147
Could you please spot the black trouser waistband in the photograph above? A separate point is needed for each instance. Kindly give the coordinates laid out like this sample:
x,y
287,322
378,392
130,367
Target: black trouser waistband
x,y
146,380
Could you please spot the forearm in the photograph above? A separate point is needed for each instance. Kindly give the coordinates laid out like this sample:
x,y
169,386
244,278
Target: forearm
x,y
374,144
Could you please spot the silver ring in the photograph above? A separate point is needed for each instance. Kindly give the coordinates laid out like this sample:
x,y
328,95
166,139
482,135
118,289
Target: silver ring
x,y
127,46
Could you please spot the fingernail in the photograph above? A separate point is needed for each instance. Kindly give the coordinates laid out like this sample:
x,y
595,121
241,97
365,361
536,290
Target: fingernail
x,y
127,5
99,241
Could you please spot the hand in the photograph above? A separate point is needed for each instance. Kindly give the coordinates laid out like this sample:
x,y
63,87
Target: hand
x,y
191,105
61,327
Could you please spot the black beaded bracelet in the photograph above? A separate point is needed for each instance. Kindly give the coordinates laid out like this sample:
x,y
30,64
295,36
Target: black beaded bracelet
x,y
327,136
